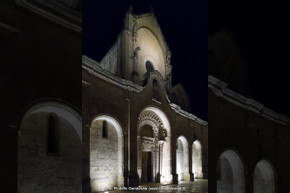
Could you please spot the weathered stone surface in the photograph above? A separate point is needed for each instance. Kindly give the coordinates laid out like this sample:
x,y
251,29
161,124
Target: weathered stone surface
x,y
40,172
137,97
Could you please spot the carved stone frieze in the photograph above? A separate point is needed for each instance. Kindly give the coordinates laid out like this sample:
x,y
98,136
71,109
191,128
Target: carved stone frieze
x,y
148,115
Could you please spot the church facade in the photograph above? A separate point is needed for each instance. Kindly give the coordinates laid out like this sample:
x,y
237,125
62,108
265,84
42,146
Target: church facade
x,y
249,143
135,126
40,127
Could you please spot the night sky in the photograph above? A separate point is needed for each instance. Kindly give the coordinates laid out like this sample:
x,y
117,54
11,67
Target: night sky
x,y
184,25
262,31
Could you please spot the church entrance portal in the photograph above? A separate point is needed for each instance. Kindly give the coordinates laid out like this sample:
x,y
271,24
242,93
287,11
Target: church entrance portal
x,y
153,147
147,168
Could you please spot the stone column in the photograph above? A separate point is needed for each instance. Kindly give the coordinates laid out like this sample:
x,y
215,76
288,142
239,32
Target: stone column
x,y
190,161
173,162
160,142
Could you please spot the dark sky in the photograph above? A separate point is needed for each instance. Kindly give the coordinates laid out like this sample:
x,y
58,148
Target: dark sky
x,y
184,26
262,31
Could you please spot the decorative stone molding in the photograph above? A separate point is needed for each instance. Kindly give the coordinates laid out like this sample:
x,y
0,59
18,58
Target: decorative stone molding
x,y
9,28
149,143
69,14
220,89
84,83
93,68
148,115
183,113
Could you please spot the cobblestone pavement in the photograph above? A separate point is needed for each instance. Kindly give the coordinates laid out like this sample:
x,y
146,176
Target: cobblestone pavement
x,y
198,186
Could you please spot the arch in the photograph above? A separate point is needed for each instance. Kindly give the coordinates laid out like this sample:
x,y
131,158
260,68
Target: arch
x,y
182,159
43,170
147,130
159,145
231,176
53,132
60,110
264,180
150,56
106,156
197,159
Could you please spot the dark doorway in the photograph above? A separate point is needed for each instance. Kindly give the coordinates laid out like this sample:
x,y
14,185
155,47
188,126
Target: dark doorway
x,y
147,169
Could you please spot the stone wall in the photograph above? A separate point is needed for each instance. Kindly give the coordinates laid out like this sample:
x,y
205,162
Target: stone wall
x,y
122,100
251,130
41,172
104,156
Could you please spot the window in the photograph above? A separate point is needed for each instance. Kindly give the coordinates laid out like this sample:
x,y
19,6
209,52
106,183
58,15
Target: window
x,y
52,136
105,129
155,90
149,66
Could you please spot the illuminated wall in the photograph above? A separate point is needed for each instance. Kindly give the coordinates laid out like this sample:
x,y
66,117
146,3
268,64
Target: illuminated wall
x,y
106,153
162,160
150,50
40,167
264,179
182,161
230,173
197,159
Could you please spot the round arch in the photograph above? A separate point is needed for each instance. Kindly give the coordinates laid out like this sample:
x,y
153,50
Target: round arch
x,y
160,148
231,176
106,153
264,180
197,159
41,169
182,159
61,110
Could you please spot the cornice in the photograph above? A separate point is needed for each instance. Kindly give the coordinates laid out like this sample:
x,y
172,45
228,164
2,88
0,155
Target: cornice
x,y
220,89
186,114
51,16
94,69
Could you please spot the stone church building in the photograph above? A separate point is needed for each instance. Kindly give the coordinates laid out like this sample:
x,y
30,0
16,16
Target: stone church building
x,y
135,125
40,98
249,143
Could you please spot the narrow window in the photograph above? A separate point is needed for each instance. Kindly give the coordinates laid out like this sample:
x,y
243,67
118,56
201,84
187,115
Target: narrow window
x,y
105,129
149,66
52,136
155,90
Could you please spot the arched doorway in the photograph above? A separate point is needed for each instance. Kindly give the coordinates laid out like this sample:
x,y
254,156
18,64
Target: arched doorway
x,y
230,173
50,149
153,146
148,135
197,160
182,162
264,181
106,153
